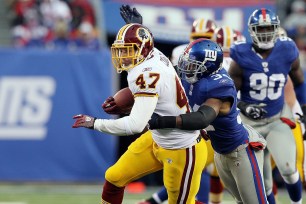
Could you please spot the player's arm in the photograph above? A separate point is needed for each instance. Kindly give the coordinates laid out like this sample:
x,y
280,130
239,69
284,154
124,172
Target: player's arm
x,y
135,123
290,96
200,119
236,74
299,83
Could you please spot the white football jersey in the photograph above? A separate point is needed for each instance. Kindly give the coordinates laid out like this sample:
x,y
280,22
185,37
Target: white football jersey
x,y
156,77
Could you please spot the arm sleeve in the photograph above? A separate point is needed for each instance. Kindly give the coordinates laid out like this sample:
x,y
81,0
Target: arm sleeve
x,y
199,119
134,123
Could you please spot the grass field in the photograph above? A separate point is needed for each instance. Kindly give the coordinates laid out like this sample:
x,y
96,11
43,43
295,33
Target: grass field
x,y
29,193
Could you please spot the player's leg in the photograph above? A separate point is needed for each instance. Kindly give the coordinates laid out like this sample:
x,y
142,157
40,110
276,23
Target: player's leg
x,y
300,151
182,171
242,171
203,193
135,163
280,138
226,176
205,186
162,195
216,187
249,176
268,177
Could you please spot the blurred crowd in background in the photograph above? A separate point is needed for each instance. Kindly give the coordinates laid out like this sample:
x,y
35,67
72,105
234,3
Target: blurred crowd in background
x,y
53,24
72,24
293,19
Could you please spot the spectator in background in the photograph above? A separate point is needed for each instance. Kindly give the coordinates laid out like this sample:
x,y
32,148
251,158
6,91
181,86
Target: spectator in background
x,y
31,33
295,25
55,24
82,11
87,37
297,18
61,40
19,9
53,11
85,12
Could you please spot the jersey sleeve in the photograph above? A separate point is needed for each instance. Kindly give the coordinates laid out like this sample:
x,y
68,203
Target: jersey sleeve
x,y
221,87
293,54
234,53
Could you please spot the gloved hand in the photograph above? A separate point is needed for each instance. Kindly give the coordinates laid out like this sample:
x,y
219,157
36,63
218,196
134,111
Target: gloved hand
x,y
303,119
84,121
253,111
130,15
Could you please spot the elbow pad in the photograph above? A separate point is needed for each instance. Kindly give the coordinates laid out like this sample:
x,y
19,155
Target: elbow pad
x,y
199,119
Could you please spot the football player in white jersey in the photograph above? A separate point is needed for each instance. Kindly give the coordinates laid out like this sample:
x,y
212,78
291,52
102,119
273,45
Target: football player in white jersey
x,y
181,154
201,28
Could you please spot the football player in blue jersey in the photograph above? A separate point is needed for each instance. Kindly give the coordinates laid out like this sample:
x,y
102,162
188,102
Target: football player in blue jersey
x,y
260,70
213,98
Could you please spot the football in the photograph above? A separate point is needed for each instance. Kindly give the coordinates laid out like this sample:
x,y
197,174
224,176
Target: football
x,y
124,99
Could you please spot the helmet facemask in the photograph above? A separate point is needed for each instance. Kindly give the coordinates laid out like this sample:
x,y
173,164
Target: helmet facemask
x,y
189,69
263,27
125,56
133,44
264,36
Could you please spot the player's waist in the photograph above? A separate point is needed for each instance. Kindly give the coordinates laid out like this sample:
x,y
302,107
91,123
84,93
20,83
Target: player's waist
x,y
175,140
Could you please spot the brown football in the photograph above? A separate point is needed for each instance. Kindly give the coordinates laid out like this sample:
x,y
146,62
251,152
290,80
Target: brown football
x,y
124,99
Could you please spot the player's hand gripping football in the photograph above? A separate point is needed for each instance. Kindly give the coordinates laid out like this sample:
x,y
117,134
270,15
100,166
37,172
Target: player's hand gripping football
x,y
84,121
253,111
110,107
130,15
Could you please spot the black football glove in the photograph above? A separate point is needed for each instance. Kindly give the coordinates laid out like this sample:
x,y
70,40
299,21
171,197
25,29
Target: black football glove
x,y
253,111
303,119
84,121
130,15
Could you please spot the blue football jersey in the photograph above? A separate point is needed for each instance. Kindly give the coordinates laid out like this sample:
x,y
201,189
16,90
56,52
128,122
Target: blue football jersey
x,y
226,132
264,79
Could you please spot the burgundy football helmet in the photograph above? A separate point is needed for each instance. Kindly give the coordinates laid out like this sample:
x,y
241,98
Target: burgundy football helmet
x,y
202,28
133,44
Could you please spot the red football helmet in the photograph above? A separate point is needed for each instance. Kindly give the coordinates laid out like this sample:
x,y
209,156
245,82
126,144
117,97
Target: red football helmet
x,y
133,44
225,37
202,28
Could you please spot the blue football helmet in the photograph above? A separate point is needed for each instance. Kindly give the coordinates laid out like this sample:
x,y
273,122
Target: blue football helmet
x,y
200,59
263,27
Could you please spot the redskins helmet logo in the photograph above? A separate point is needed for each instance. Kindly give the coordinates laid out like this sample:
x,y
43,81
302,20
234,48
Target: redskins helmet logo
x,y
143,35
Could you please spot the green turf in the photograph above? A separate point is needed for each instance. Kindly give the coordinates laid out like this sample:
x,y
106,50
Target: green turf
x,y
29,193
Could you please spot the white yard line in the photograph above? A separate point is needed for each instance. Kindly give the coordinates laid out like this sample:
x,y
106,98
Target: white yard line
x,y
13,203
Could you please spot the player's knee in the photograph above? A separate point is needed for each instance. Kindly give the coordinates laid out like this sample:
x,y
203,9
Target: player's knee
x,y
291,178
114,177
287,169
